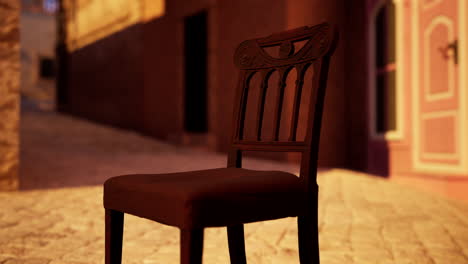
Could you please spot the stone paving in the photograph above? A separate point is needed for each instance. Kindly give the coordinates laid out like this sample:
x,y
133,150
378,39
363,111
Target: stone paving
x,y
362,219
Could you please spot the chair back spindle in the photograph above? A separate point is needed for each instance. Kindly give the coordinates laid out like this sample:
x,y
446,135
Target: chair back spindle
x,y
251,57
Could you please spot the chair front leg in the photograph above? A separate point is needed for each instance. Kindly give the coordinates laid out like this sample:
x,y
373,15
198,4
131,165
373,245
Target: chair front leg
x,y
308,239
191,246
236,244
114,235
308,235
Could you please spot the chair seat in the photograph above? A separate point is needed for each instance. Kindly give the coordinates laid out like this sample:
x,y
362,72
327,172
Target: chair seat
x,y
215,197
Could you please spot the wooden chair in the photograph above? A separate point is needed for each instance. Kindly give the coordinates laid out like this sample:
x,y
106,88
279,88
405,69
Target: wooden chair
x,y
233,196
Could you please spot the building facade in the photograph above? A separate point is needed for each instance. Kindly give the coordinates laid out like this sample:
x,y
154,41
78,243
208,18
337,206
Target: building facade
x,y
394,104
417,97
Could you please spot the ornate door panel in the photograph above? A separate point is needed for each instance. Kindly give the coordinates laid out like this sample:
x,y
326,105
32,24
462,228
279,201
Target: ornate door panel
x,y
439,133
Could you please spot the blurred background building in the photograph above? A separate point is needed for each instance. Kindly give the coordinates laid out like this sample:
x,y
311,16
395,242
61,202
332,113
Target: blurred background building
x,y
38,39
395,104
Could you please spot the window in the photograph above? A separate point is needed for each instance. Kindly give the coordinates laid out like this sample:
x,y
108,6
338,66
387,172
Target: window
x,y
385,69
50,6
46,68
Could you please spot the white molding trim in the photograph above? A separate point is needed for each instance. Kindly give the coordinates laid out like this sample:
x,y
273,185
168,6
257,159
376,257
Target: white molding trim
x,y
443,155
397,134
463,82
436,168
428,4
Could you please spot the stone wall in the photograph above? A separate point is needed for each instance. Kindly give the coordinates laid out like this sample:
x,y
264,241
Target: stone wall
x,y
9,93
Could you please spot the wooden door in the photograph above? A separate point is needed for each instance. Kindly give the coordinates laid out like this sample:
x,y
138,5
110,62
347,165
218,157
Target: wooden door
x,y
439,112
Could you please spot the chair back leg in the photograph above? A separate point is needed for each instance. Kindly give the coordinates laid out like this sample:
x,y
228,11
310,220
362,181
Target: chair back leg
x,y
114,234
236,244
191,246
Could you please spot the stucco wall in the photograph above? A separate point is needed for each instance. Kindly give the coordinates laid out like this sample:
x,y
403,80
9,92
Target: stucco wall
x,y
91,20
229,23
355,48
163,42
105,63
333,141
238,21
9,93
105,79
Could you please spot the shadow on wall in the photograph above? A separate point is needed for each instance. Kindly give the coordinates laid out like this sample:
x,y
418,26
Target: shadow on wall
x,y
105,59
134,78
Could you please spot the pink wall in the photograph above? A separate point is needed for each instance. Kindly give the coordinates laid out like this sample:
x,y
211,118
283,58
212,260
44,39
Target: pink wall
x,y
400,152
333,147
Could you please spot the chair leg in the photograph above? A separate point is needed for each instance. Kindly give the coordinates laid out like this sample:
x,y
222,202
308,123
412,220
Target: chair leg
x,y
308,239
191,246
236,244
114,235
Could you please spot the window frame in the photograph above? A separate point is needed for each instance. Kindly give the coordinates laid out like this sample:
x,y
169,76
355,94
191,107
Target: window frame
x,y
373,72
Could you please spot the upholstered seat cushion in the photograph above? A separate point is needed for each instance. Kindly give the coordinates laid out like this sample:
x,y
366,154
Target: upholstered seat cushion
x,y
215,197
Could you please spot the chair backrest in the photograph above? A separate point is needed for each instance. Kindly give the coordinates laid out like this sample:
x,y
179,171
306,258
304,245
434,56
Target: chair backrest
x,y
251,57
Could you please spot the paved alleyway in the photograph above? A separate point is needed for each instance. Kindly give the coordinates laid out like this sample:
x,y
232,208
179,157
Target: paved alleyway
x,y
363,219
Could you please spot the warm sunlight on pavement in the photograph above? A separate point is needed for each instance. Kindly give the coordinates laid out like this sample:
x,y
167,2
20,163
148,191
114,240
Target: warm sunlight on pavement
x,y
363,219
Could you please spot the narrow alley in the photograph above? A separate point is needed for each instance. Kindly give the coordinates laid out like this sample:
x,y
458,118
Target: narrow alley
x,y
58,216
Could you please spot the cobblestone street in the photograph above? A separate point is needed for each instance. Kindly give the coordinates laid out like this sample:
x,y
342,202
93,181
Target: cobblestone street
x,y
58,216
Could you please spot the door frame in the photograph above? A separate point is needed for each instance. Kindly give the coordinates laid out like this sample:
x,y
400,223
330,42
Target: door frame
x,y
460,116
